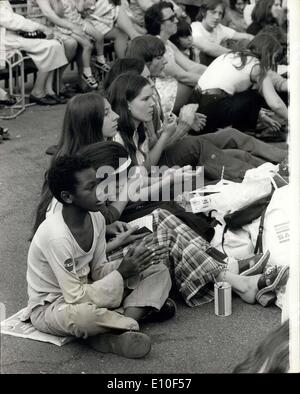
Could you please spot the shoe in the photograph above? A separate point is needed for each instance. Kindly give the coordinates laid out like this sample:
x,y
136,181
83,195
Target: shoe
x,y
8,102
58,98
130,344
90,81
4,134
254,265
51,150
270,280
67,91
42,100
167,311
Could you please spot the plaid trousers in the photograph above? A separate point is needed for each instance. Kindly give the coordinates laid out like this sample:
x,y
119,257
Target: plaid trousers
x,y
192,269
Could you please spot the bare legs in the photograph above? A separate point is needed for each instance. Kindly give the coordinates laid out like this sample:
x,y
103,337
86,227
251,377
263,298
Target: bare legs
x,y
39,89
122,33
244,286
120,41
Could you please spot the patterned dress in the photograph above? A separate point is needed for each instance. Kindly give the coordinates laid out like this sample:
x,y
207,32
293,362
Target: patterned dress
x,y
166,85
104,16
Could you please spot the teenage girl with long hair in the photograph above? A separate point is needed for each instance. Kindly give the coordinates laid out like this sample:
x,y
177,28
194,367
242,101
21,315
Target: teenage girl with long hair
x,y
227,95
88,119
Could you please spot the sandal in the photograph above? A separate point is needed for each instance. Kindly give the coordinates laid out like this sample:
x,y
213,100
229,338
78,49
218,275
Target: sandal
x,y
105,67
253,265
270,280
4,134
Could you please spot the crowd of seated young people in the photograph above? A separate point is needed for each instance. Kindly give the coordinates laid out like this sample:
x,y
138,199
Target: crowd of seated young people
x,y
160,105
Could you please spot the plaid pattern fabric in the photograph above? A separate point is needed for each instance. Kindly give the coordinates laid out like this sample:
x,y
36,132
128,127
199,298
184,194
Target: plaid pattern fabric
x,y
191,268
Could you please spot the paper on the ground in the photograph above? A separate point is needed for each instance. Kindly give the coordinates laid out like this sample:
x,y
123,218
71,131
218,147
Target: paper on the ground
x,y
16,327
217,188
145,221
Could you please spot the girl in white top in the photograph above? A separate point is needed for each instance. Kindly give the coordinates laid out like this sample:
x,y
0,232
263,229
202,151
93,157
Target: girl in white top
x,y
208,32
237,72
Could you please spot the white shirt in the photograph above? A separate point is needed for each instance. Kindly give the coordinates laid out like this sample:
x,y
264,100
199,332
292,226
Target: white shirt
x,y
219,33
248,13
10,23
223,74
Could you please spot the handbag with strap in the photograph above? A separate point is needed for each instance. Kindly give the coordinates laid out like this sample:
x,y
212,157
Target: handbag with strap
x,y
32,34
241,217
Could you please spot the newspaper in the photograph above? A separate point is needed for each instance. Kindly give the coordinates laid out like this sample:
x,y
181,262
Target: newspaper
x,y
16,327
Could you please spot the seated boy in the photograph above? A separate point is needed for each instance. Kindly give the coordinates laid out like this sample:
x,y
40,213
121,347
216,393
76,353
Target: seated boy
x,y
72,288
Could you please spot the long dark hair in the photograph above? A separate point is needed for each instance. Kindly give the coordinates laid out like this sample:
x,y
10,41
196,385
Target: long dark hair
x,y
82,125
232,3
183,30
262,13
106,153
145,47
125,88
263,47
271,355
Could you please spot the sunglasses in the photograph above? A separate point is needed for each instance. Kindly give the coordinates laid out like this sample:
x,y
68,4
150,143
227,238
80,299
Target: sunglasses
x,y
171,18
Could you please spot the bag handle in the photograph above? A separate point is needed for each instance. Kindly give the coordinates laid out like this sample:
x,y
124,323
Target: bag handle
x,y
258,246
223,238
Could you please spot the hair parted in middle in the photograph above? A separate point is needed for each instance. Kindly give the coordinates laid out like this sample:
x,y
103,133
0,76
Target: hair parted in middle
x,y
125,88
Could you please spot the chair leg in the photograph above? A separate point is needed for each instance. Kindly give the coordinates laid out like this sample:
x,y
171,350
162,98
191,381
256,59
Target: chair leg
x,y
15,66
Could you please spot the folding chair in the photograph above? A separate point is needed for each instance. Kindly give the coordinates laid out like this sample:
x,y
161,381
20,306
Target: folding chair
x,y
13,70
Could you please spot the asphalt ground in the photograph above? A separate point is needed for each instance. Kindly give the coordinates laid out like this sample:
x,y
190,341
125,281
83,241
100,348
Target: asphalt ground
x,y
195,341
